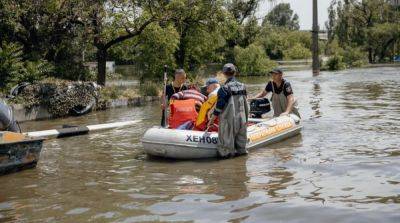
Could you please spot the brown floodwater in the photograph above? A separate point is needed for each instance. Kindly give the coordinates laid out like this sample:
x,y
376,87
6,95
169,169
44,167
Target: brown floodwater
x,y
344,167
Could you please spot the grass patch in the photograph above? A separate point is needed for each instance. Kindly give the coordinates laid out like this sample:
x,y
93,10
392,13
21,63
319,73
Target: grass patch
x,y
116,92
149,89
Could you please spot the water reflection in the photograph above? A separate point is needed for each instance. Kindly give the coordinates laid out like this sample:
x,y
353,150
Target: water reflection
x,y
344,166
315,100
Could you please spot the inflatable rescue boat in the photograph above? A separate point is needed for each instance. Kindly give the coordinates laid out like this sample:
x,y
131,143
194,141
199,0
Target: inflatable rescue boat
x,y
190,144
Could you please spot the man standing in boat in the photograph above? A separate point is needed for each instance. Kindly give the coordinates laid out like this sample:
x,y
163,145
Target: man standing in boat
x,y
177,85
283,101
232,111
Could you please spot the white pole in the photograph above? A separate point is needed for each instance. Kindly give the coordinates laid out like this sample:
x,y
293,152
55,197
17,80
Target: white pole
x,y
54,133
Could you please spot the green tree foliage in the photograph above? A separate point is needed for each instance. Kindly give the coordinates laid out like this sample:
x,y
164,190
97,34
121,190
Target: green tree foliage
x,y
278,41
198,25
335,62
296,52
241,26
253,60
242,9
11,63
282,16
111,22
155,48
341,58
371,25
382,38
46,31
14,70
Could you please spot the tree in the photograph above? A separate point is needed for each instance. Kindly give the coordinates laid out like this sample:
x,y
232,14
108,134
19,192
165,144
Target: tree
x,y
155,48
112,22
198,24
331,23
297,52
242,25
364,24
46,30
14,70
242,9
252,60
282,16
382,39
277,40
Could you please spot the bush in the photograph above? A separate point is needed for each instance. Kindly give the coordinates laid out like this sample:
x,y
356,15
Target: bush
x,y
346,56
253,60
297,52
149,89
11,63
333,48
32,72
14,70
334,62
112,92
117,92
354,57
71,70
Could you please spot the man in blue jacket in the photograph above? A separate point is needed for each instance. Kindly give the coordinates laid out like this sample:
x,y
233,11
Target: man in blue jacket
x,y
233,111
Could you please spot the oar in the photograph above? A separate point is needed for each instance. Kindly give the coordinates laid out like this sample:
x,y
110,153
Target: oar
x,y
164,100
78,130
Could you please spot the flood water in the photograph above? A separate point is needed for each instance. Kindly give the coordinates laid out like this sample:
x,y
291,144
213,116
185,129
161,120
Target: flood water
x,y
344,167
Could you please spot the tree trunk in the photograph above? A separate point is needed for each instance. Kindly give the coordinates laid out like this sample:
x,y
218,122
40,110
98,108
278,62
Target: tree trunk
x,y
101,66
181,54
385,48
370,59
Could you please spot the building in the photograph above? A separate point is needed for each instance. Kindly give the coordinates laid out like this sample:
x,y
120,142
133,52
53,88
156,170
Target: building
x,y
394,2
110,66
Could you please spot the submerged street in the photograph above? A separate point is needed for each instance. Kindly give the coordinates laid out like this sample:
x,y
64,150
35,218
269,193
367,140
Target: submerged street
x,y
343,167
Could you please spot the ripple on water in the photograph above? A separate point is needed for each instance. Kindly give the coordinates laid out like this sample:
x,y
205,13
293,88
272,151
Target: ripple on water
x,y
343,168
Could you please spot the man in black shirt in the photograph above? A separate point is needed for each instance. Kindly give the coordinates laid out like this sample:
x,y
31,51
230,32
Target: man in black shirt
x,y
177,85
283,100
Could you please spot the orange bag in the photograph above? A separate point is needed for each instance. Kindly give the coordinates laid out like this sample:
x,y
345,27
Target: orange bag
x,y
182,111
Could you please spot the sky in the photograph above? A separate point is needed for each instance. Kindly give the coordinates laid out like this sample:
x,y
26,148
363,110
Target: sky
x,y
303,8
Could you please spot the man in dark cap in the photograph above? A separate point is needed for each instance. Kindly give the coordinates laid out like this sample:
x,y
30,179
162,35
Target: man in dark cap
x,y
283,101
233,111
206,110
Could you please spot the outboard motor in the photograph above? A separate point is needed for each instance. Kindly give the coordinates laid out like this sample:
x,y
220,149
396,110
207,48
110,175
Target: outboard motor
x,y
7,121
259,106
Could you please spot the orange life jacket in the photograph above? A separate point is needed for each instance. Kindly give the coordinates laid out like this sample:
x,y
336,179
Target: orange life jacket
x,y
182,111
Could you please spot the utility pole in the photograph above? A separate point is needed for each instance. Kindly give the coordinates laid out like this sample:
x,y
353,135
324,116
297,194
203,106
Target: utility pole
x,y
315,47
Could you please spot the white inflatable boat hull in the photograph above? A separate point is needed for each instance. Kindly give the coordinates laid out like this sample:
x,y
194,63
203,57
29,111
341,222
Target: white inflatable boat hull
x,y
188,144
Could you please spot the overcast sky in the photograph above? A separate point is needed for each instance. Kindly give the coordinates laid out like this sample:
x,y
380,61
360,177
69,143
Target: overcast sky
x,y
303,8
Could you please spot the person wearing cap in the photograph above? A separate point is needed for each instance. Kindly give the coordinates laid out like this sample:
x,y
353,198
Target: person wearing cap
x,y
233,111
212,86
283,101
